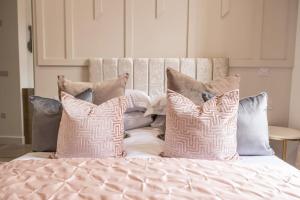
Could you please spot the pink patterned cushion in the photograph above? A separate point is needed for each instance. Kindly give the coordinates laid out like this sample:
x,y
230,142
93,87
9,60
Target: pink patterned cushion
x,y
88,130
207,131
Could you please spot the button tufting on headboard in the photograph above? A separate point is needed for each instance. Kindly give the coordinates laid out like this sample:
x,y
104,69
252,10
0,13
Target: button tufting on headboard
x,y
148,74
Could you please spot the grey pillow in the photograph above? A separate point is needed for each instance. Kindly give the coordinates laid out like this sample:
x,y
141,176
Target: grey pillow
x,y
134,120
252,125
46,119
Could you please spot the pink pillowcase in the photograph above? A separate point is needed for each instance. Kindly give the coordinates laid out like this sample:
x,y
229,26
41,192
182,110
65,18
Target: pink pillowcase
x,y
88,130
207,131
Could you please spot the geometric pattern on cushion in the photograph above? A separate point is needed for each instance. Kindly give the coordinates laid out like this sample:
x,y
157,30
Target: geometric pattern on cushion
x,y
206,131
88,130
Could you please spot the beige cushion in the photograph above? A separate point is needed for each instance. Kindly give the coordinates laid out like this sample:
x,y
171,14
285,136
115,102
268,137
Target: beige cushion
x,y
103,91
192,89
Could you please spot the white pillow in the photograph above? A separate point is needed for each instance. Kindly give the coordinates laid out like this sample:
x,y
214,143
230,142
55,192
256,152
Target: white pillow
x,y
158,106
136,100
134,120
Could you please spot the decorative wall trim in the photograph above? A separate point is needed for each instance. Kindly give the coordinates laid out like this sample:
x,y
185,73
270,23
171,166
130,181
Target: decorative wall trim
x,y
40,35
257,37
188,28
128,32
256,58
98,9
225,7
69,29
160,8
11,140
285,10
261,63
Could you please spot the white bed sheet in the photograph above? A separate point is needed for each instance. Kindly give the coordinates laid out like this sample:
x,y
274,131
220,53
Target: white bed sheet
x,y
143,143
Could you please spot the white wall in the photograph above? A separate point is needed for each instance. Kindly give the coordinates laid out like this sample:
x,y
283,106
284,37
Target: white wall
x,y
295,91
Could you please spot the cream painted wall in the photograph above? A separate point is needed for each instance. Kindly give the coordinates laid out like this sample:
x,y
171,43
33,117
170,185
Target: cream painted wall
x,y
294,118
15,59
275,81
11,129
295,92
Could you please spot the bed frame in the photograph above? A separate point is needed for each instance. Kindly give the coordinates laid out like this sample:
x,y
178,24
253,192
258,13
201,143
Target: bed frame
x,y
148,74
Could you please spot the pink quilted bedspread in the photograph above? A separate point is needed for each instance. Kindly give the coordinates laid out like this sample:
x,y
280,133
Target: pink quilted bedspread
x,y
158,178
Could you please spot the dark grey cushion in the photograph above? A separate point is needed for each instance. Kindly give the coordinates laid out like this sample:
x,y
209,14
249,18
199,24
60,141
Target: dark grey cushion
x,y
206,96
252,125
46,119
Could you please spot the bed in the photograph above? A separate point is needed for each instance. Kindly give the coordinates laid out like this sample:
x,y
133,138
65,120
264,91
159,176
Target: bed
x,y
143,174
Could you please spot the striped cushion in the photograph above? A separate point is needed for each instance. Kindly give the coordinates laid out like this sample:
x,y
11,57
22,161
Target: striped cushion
x,y
207,131
88,130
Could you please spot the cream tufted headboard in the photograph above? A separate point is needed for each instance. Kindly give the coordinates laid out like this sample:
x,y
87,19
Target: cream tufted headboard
x,y
148,74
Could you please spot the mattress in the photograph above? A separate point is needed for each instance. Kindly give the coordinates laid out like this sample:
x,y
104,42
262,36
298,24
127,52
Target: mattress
x,y
143,143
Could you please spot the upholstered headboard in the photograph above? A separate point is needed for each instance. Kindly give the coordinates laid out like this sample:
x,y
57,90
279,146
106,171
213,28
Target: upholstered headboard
x,y
148,74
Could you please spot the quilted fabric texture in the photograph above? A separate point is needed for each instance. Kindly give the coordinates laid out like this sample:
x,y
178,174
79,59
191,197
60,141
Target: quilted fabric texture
x,y
145,179
193,89
207,131
88,130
